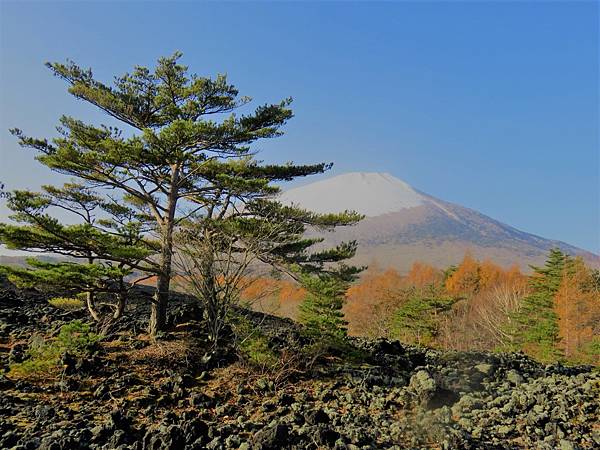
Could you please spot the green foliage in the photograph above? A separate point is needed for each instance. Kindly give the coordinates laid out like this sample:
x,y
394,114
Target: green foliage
x,y
253,345
450,270
66,303
108,240
321,311
546,280
417,319
589,353
65,275
75,338
534,327
255,349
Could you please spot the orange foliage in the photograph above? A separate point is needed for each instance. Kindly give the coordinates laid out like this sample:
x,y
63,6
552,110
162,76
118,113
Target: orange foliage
x,y
373,285
259,289
578,309
466,277
490,293
363,298
471,277
421,275
290,297
281,297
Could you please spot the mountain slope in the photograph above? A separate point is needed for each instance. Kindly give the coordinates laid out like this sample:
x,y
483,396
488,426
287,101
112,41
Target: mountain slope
x,y
403,224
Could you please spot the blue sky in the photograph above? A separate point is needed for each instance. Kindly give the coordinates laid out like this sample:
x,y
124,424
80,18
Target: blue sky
x,y
492,105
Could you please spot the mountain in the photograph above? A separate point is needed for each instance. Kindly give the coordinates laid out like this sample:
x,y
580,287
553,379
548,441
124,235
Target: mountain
x,y
21,260
403,225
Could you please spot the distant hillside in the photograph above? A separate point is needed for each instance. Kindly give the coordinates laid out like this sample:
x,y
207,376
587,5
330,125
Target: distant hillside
x,y
20,260
403,225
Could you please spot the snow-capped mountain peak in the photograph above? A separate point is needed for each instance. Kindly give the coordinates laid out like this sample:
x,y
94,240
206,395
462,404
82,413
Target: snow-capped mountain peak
x,y
403,224
368,193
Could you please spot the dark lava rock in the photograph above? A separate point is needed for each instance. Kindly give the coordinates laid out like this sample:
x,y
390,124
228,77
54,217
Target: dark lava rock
x,y
316,417
327,436
272,438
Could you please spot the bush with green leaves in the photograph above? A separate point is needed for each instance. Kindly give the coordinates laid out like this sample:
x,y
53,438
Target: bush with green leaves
x,y
44,355
252,344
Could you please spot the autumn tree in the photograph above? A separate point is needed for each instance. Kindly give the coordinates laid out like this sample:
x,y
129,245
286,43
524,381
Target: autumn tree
x,y
466,278
370,301
577,304
178,150
490,275
421,275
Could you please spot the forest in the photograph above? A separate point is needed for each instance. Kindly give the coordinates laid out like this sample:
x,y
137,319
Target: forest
x,y
551,314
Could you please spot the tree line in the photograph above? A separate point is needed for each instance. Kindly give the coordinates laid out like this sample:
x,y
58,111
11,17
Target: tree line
x,y
551,314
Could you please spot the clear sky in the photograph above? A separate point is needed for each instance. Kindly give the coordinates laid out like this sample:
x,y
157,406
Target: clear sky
x,y
491,105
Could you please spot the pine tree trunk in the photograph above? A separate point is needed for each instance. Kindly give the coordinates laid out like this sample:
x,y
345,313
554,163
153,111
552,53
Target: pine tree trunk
x,y
158,311
121,301
90,303
90,300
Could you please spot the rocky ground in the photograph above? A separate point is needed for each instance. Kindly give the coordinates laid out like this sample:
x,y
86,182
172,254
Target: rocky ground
x,y
137,393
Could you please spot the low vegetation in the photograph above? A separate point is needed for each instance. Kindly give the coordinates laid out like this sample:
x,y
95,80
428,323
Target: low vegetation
x,y
44,354
67,303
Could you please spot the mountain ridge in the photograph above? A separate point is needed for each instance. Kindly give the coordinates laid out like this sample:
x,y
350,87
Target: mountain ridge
x,y
403,224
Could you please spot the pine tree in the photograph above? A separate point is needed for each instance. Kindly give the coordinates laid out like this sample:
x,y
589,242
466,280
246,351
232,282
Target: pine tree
x,y
321,310
108,240
534,326
417,319
184,151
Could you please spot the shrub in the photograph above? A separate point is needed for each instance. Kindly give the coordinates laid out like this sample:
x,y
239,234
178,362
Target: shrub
x,y
66,303
255,348
44,355
253,345
76,337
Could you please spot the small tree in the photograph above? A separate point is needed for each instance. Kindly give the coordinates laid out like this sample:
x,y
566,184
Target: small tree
x,y
108,238
321,311
534,326
221,255
419,317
